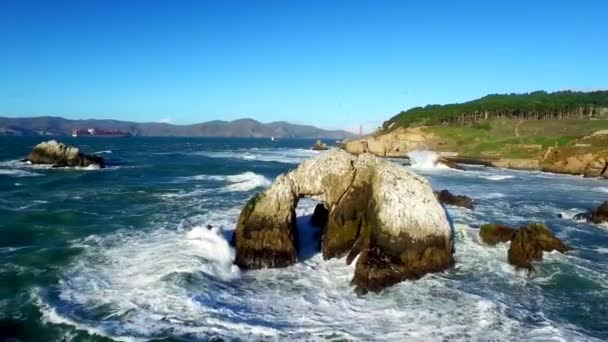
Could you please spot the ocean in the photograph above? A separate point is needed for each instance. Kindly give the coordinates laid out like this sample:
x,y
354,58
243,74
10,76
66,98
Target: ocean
x,y
124,253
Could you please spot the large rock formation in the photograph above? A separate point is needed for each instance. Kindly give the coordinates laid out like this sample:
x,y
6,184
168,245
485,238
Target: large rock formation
x,y
61,155
382,212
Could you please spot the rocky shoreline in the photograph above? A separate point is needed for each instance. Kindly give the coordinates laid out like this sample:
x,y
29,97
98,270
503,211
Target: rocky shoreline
x,y
580,159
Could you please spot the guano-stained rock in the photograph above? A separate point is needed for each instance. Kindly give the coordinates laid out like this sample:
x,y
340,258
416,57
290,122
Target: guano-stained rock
x,y
382,212
61,155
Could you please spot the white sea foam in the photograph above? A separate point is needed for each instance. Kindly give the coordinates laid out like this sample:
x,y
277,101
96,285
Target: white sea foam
x,y
17,173
490,195
497,177
182,283
103,152
281,155
570,213
241,182
601,189
602,250
425,160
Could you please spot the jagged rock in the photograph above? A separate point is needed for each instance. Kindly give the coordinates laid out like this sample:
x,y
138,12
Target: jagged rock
x,y
382,212
61,155
493,233
600,214
396,143
447,197
319,216
529,243
582,217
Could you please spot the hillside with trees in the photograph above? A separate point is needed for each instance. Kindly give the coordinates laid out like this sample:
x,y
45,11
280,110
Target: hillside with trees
x,y
539,105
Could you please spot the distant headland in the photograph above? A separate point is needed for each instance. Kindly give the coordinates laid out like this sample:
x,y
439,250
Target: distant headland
x,y
242,128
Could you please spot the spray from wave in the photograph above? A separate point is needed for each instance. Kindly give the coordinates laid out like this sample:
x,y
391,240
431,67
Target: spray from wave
x,y
425,160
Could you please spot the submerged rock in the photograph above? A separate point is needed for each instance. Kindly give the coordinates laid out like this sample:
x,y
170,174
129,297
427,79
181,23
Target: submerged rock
x,y
60,155
598,215
382,212
493,233
319,216
529,243
447,197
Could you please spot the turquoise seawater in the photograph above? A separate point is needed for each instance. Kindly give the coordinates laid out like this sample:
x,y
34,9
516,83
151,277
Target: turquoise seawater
x,y
123,253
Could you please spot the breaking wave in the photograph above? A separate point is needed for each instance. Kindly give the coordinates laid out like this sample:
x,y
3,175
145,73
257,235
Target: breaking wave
x,y
425,160
242,182
280,155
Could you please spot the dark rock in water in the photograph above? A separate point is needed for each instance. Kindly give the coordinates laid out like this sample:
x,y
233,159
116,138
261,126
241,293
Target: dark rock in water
x,y
60,155
319,216
582,217
493,233
529,243
599,215
383,213
447,197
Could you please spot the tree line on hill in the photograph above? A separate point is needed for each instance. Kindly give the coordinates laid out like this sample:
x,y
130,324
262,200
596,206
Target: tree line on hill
x,y
539,105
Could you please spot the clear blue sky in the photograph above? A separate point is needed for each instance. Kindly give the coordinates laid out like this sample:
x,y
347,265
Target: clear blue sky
x,y
335,64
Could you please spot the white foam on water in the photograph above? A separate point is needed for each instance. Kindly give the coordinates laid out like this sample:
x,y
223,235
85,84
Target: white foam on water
x,y
182,282
602,250
490,195
426,160
103,152
281,155
570,213
601,189
17,167
497,177
17,173
241,182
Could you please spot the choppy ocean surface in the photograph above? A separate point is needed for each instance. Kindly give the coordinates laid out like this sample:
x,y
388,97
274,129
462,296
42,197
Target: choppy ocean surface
x,y
123,253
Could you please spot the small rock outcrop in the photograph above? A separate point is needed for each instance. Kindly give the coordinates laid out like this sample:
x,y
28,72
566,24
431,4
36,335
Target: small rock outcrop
x,y
319,216
446,197
379,211
492,233
60,155
319,146
529,243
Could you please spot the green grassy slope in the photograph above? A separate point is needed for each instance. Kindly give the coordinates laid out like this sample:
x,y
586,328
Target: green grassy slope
x,y
536,105
515,138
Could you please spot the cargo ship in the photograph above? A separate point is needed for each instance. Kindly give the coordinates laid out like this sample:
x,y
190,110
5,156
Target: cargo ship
x,y
92,132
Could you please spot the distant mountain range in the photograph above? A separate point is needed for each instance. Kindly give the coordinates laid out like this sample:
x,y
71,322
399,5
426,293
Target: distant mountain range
x,y
245,128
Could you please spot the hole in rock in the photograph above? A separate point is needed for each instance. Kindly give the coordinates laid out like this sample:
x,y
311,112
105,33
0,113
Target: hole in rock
x,y
310,227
